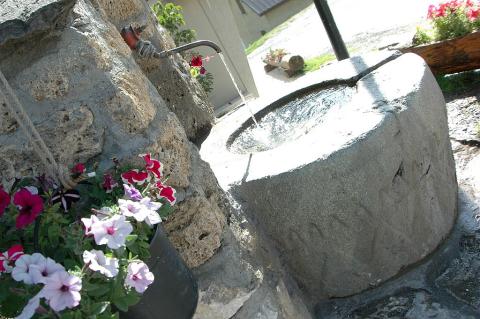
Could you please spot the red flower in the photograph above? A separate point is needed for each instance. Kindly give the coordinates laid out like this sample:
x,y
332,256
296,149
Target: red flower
x,y
153,166
79,169
166,192
196,61
4,200
8,258
109,183
30,207
134,176
432,11
469,3
203,71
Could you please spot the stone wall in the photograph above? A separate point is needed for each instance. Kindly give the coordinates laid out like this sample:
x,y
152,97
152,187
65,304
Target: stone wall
x,y
92,98
91,101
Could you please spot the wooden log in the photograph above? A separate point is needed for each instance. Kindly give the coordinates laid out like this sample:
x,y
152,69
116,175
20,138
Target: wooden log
x,y
288,62
451,56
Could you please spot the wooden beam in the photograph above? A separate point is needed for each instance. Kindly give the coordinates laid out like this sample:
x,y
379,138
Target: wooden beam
x,y
450,56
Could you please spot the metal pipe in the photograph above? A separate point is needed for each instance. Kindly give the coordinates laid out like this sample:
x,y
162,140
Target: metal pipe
x,y
328,21
132,38
189,46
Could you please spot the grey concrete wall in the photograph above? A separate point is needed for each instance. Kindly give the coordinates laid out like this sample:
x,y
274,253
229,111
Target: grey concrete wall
x,y
251,25
213,20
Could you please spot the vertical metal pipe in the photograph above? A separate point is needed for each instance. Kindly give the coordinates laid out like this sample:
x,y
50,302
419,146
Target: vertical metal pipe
x,y
338,45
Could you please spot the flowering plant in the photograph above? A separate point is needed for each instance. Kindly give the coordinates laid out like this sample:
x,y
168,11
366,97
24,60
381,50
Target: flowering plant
x,y
275,56
198,71
449,20
58,259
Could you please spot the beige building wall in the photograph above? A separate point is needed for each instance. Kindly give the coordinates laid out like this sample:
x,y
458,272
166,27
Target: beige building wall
x,y
213,20
251,25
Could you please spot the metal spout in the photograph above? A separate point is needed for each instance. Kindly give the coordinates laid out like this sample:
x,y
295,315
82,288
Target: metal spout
x,y
147,49
191,45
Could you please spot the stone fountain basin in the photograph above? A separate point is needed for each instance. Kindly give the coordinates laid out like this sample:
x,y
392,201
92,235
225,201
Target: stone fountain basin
x,y
368,192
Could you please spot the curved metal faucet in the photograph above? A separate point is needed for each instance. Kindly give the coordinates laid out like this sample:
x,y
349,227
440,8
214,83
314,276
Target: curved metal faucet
x,y
147,49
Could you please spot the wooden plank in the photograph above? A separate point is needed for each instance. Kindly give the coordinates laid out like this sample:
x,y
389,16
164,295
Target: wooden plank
x,y
451,56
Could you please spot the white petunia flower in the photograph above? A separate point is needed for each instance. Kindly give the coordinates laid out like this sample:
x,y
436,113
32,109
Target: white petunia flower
x,y
152,217
23,267
29,310
97,261
44,269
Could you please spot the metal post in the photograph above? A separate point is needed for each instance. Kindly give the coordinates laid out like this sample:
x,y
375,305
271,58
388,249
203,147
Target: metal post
x,y
333,34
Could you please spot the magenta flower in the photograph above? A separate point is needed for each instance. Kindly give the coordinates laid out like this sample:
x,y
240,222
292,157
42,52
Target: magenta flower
x,y
79,169
8,258
134,176
139,276
112,231
61,290
132,193
196,61
4,200
166,192
109,183
153,166
30,207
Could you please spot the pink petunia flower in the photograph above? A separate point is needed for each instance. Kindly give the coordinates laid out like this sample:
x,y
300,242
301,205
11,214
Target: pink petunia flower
x,y
153,166
112,231
166,192
97,261
109,183
61,290
79,169
472,14
134,176
139,276
44,269
8,258
4,200
30,207
23,267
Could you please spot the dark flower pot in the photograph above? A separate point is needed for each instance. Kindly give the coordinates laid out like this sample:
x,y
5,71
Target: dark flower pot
x,y
174,293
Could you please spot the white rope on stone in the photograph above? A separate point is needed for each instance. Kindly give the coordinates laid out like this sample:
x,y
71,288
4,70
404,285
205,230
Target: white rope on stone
x,y
40,148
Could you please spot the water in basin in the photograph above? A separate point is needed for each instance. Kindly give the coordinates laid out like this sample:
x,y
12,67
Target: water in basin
x,y
289,120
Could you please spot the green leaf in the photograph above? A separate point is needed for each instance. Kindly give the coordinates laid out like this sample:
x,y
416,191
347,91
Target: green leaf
x,y
96,290
99,307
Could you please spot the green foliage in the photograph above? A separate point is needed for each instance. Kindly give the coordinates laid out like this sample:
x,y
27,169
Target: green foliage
x,y
422,36
170,16
459,82
317,62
